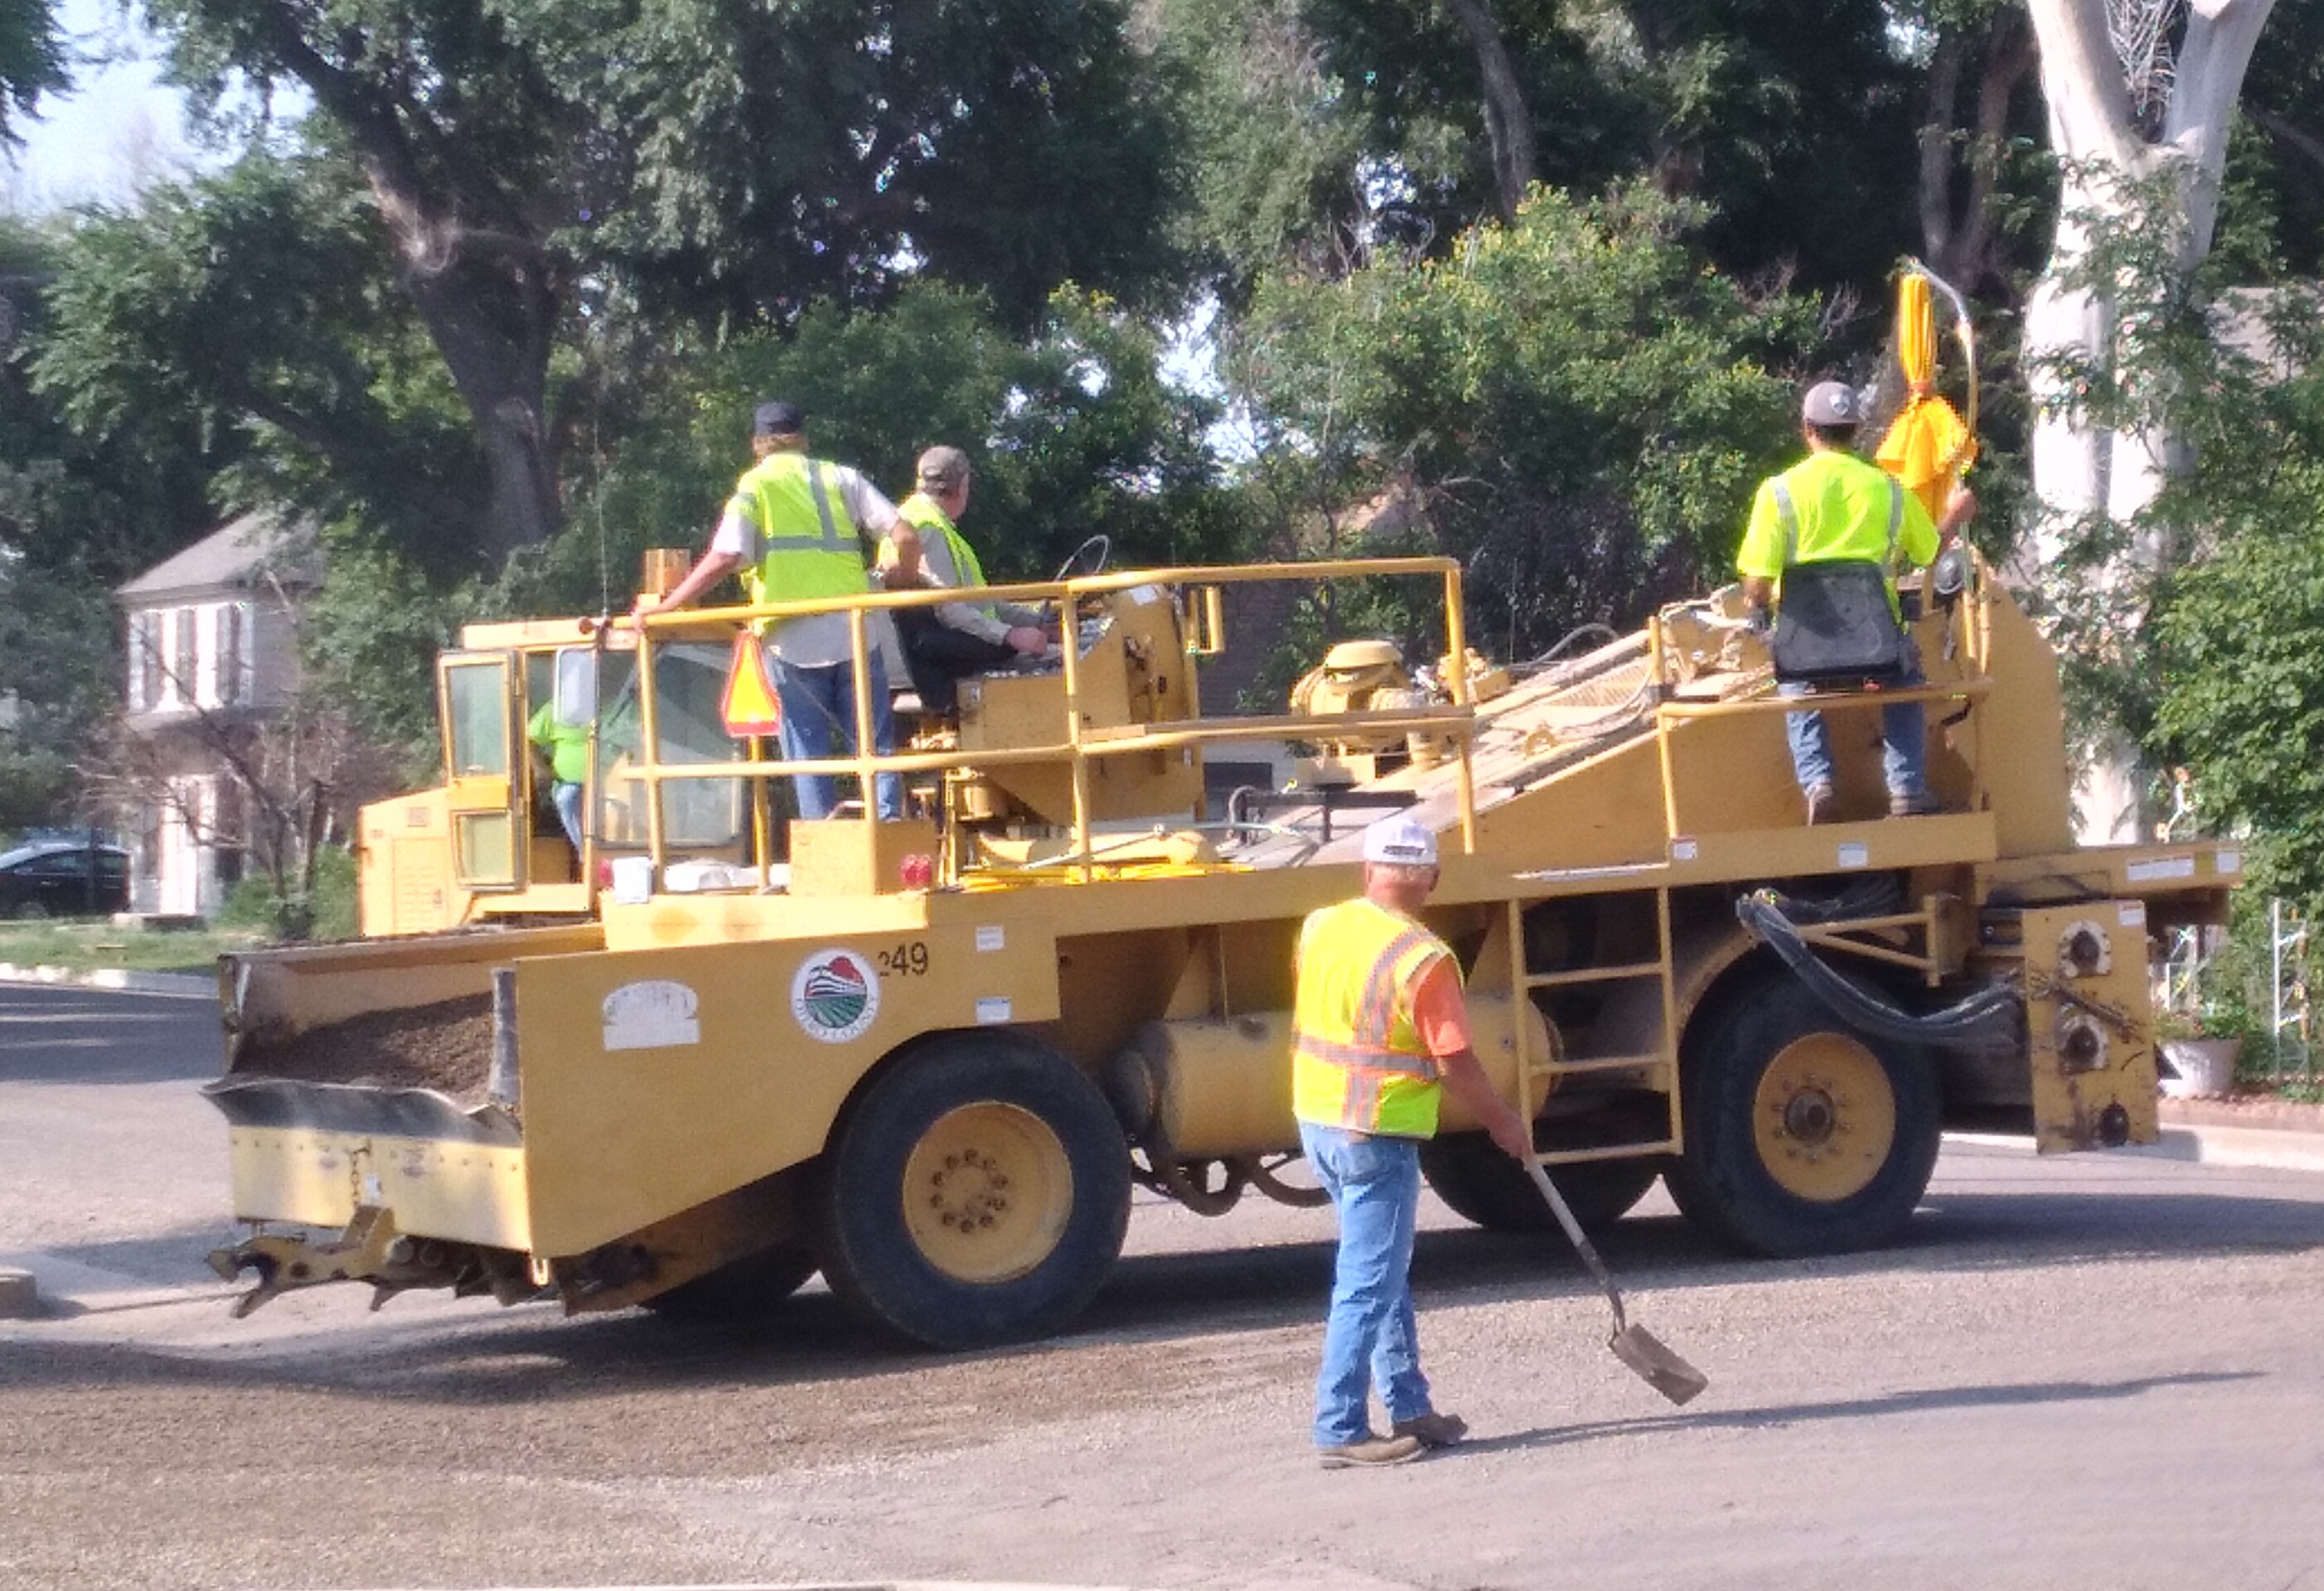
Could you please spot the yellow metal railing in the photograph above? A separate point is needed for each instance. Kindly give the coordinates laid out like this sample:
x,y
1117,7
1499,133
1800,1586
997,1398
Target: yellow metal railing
x,y
1203,629
1976,626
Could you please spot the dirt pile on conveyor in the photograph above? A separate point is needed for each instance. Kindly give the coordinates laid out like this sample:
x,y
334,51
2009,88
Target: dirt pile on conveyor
x,y
447,1047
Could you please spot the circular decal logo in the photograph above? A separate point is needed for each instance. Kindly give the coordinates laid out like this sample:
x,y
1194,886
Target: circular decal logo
x,y
834,996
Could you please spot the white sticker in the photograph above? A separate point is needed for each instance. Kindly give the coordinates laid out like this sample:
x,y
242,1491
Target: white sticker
x,y
2168,867
653,1014
1684,850
993,1008
372,1191
1145,595
990,937
2134,913
2228,861
834,996
1855,855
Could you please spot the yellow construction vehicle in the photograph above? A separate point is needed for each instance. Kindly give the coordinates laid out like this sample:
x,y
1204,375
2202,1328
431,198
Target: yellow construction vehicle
x,y
932,1058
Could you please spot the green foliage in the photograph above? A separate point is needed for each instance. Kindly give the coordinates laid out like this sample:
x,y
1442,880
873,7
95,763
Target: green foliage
x,y
328,912
1071,433
1582,405
77,515
370,638
750,160
253,307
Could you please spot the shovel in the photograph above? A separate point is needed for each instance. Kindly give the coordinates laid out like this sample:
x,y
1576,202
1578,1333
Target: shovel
x,y
1635,1346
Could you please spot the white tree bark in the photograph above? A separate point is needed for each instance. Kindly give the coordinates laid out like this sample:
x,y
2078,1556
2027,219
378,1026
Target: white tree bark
x,y
2080,470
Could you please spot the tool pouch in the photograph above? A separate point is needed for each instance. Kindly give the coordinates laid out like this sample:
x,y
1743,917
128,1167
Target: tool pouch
x,y
1834,626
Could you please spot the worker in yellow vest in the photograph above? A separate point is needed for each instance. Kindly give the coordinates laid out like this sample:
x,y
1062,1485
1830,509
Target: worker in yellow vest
x,y
1380,1029
1834,507
797,528
945,644
564,748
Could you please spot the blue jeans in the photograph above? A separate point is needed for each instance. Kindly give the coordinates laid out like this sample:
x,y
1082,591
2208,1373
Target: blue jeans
x,y
1904,738
1371,1339
566,799
818,707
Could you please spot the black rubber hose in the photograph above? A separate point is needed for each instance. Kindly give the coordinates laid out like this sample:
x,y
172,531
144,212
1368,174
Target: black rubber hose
x,y
1980,1019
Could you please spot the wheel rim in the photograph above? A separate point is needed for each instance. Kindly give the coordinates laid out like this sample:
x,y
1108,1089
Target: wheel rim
x,y
987,1192
1824,1117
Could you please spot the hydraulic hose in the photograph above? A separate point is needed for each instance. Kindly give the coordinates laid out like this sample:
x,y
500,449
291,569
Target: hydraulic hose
x,y
1982,1018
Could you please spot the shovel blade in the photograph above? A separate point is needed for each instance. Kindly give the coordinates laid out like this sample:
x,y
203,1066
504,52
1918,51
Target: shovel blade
x,y
1656,1364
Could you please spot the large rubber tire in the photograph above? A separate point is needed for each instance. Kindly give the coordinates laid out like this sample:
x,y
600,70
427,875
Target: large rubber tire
x,y
1485,1187
1802,1136
977,1193
743,1290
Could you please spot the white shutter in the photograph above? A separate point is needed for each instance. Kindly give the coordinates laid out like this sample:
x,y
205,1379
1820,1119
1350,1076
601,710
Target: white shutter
x,y
139,643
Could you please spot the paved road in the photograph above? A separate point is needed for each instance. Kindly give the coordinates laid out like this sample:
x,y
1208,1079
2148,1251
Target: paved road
x,y
2099,1372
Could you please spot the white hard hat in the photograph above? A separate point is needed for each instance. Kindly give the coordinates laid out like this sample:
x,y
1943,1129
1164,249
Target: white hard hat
x,y
1400,841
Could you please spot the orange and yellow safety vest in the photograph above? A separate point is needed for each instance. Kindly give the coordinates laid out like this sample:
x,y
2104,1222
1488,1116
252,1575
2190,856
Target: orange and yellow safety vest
x,y
1357,1060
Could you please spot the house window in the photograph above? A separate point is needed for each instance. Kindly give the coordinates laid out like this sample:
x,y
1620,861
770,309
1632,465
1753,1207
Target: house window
x,y
184,655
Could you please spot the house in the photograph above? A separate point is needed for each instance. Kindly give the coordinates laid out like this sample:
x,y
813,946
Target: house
x,y
213,659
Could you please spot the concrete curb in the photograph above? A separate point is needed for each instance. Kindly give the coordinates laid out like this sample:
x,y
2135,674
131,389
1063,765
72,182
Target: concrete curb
x,y
183,986
2254,1148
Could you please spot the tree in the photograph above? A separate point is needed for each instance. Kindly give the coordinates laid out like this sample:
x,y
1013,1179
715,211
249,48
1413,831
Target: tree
x,y
2138,134
1975,133
2241,699
1572,404
32,61
251,307
77,515
536,165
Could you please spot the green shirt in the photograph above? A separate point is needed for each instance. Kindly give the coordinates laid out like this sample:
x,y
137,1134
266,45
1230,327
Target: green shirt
x,y
1842,506
567,745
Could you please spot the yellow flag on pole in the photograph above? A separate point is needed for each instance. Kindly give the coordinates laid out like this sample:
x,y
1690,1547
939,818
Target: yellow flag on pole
x,y
1927,445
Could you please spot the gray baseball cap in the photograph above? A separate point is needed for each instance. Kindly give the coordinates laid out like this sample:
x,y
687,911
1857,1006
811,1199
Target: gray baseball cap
x,y
1831,403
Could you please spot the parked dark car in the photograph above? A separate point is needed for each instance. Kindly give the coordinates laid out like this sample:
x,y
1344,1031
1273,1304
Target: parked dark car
x,y
60,879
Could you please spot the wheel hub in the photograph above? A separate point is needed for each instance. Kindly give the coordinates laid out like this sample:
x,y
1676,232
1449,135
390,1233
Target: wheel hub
x,y
987,1192
1824,1117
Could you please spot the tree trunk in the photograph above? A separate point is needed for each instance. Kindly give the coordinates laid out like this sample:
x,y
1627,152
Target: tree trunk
x,y
476,268
1508,127
1960,222
2080,470
491,311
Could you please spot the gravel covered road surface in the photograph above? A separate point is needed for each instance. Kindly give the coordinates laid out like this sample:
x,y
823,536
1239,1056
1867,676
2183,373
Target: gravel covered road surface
x,y
2103,1371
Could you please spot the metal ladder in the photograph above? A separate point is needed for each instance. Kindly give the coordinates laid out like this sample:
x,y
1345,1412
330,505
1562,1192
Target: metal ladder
x,y
1524,978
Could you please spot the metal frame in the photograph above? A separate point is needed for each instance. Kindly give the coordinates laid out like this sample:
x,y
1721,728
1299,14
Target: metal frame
x,y
1204,637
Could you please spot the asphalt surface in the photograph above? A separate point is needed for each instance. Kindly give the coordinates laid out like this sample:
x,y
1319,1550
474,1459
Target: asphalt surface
x,y
2100,1370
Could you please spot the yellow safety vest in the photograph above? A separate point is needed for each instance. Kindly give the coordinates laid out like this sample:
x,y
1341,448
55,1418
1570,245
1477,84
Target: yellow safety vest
x,y
565,745
1357,1060
803,548
920,509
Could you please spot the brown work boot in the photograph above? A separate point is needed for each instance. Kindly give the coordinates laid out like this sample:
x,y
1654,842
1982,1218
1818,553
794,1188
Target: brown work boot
x,y
1372,1451
1823,804
1435,1430
1918,804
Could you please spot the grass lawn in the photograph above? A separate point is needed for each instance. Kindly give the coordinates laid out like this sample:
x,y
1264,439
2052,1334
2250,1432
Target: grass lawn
x,y
85,947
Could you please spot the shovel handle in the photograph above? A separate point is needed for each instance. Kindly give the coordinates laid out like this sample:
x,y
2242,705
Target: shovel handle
x,y
1582,1245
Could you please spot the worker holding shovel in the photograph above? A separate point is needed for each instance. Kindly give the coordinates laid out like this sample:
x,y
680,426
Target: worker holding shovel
x,y
1381,1030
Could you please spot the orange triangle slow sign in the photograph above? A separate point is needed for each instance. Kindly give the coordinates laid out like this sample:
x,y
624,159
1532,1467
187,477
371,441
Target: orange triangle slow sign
x,y
749,706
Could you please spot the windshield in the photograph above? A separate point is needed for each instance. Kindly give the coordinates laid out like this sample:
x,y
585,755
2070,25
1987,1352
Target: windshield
x,y
689,685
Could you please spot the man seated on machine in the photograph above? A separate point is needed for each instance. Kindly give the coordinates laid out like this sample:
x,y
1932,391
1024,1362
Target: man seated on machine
x,y
945,644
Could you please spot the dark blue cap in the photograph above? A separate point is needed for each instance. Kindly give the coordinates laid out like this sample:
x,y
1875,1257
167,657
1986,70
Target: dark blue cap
x,y
777,419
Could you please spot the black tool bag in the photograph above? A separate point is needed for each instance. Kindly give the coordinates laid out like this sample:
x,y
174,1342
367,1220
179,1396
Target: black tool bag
x,y
1834,627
